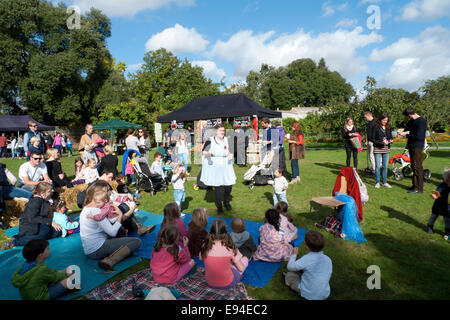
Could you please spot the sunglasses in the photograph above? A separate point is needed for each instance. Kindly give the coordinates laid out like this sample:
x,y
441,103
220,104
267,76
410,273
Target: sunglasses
x,y
37,158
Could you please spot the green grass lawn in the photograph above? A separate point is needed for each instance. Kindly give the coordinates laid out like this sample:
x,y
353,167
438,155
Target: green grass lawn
x,y
413,264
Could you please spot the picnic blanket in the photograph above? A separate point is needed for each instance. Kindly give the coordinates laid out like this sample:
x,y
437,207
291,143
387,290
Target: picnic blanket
x,y
257,274
191,287
63,252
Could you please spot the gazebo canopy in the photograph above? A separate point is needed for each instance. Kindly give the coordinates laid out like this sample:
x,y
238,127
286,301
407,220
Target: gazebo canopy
x,y
20,123
116,124
220,106
113,125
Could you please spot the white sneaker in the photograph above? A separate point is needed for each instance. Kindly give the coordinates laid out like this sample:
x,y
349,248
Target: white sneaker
x,y
387,185
377,186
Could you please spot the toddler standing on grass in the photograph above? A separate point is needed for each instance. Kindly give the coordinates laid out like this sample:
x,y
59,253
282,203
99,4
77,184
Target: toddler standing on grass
x,y
440,205
280,185
315,267
178,180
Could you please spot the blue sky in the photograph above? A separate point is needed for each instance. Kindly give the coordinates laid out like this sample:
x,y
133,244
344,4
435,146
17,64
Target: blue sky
x,y
230,38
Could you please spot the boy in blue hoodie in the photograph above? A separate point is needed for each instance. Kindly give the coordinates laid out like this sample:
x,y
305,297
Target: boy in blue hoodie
x,y
34,279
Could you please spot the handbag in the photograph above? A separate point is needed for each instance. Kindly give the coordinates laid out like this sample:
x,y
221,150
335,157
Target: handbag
x,y
129,168
355,143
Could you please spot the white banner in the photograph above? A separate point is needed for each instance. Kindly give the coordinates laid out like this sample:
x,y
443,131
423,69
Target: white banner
x,y
158,133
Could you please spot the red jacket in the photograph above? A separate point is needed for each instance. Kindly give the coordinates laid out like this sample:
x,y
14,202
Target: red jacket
x,y
352,188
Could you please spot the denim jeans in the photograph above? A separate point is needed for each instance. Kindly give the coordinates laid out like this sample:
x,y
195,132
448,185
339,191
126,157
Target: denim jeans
x,y
295,170
184,158
384,157
179,196
45,232
9,192
279,197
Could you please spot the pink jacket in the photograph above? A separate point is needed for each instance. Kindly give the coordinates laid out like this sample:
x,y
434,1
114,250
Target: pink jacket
x,y
163,265
57,141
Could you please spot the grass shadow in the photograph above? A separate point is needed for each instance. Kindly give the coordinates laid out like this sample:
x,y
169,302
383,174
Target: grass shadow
x,y
440,154
185,204
269,197
395,214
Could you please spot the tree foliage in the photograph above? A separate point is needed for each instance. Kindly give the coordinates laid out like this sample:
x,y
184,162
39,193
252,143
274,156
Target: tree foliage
x,y
47,70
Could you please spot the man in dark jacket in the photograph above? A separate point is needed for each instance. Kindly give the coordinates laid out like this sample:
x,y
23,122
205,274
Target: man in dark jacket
x,y
415,132
369,139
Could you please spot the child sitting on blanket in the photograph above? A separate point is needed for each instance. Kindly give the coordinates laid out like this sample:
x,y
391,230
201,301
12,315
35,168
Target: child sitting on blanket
x,y
170,260
286,219
224,264
241,238
274,246
79,171
172,216
197,233
315,267
35,280
59,217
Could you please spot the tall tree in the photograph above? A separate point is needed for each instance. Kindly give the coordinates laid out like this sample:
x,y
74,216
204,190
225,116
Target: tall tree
x,y
48,70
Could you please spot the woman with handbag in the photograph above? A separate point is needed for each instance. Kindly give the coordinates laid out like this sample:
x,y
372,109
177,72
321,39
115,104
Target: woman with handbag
x,y
296,150
350,132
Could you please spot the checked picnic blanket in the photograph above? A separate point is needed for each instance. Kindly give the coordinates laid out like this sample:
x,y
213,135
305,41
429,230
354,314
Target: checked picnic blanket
x,y
191,287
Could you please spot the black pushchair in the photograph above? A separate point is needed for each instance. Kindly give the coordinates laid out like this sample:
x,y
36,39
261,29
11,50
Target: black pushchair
x,y
145,180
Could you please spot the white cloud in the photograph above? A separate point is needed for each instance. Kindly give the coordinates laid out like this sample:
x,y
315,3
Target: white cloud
x,y
134,67
363,2
416,60
117,8
329,10
347,23
248,51
177,39
425,10
210,69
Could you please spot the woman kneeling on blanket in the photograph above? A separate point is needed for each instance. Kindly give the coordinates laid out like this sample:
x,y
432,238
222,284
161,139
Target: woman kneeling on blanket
x,y
99,237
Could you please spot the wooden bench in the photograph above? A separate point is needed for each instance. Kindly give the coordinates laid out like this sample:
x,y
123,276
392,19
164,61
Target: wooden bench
x,y
329,201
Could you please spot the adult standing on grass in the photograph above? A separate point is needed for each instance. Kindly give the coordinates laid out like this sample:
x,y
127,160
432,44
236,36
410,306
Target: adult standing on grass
x,y
144,139
217,167
32,132
382,139
19,147
296,150
57,143
348,132
369,140
3,145
416,129
99,238
87,143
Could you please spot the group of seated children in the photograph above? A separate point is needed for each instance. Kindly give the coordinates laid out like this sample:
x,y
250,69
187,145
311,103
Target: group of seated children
x,y
226,255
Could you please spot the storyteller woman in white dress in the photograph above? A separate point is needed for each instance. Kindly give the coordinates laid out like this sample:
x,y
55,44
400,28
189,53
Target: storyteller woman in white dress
x,y
217,167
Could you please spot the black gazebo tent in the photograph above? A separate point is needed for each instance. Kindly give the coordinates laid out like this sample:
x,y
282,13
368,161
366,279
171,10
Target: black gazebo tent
x,y
20,123
220,106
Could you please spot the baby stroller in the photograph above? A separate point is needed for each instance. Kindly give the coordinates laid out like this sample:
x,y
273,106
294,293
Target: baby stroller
x,y
261,174
145,180
401,165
